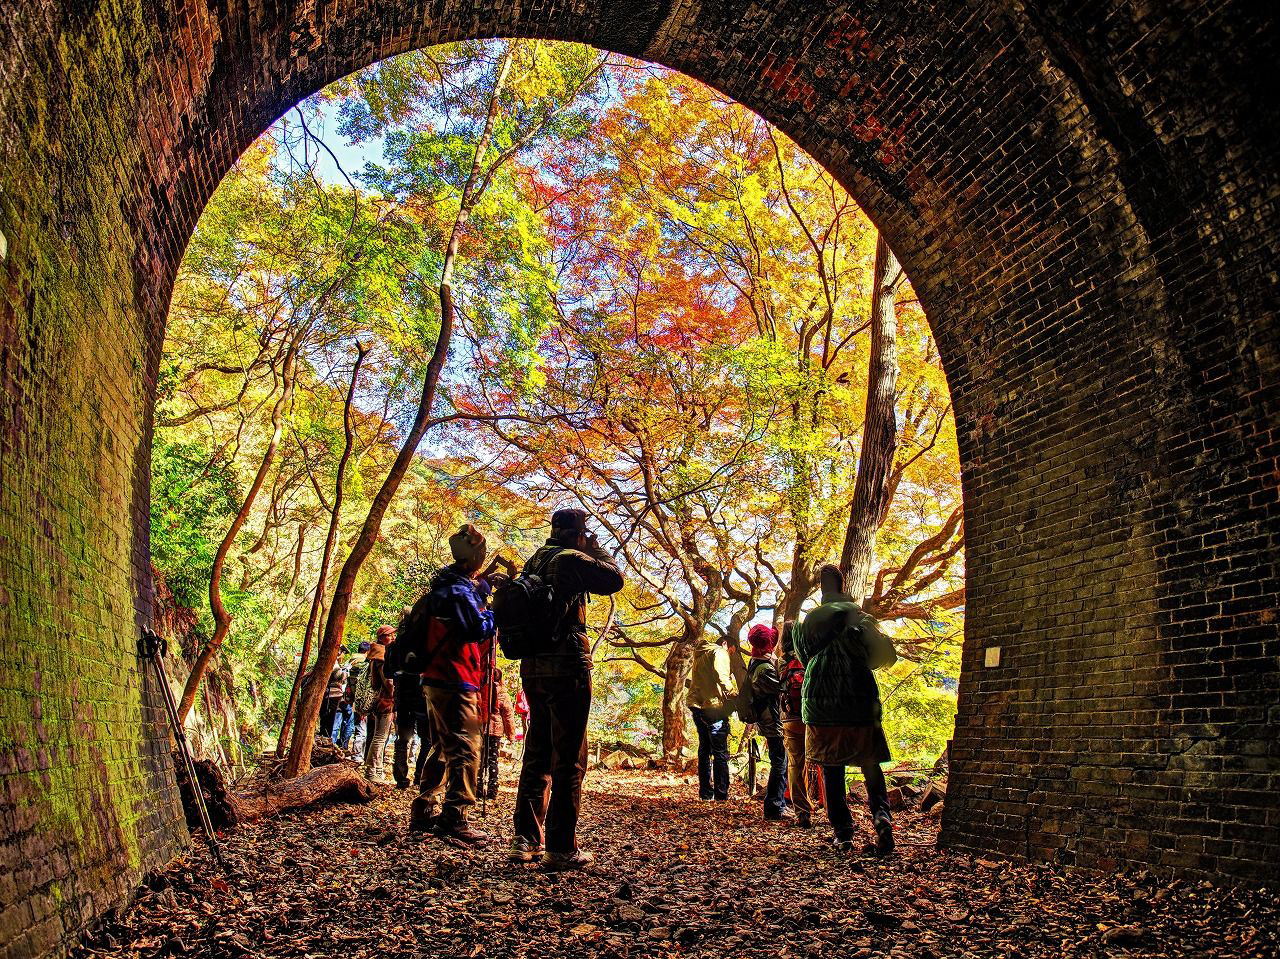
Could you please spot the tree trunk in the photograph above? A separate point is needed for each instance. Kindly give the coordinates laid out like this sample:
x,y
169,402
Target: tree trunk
x,y
221,618
797,590
880,429
317,599
338,781
299,760
675,695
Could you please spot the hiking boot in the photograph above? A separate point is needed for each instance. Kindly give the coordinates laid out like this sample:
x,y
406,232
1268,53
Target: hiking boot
x,y
802,821
402,784
843,841
460,830
522,850
884,836
423,823
423,816
566,861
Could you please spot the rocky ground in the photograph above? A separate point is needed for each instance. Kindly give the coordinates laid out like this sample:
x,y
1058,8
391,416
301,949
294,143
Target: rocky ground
x,y
674,877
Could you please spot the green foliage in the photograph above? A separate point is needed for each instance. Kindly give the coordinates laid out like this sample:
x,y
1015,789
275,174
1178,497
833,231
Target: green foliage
x,y
626,704
386,603
919,703
194,494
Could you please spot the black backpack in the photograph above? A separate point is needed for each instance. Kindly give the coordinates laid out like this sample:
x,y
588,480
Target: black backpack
x,y
754,707
413,637
527,611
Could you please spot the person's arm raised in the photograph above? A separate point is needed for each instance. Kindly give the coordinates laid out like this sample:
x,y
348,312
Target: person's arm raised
x,y
589,570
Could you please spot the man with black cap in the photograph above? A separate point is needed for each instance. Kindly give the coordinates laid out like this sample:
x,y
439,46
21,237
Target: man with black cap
x,y
557,683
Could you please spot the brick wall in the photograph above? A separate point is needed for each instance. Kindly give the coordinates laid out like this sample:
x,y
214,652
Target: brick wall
x,y
1085,197
87,802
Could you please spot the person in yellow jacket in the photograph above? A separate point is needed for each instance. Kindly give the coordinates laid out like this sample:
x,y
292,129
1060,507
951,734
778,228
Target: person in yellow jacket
x,y
713,694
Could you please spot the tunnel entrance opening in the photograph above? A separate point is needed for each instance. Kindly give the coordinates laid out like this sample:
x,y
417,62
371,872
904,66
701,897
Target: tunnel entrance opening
x,y
684,328
1091,230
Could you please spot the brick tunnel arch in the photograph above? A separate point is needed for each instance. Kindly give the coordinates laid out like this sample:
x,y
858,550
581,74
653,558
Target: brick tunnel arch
x,y
1085,202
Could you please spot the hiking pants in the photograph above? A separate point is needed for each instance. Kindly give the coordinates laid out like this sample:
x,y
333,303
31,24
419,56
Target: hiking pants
x,y
838,798
793,738
454,761
377,726
555,760
328,709
490,772
343,721
713,755
775,796
411,719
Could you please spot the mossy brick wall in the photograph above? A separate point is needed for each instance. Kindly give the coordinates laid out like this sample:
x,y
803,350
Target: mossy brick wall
x,y
87,803
1083,194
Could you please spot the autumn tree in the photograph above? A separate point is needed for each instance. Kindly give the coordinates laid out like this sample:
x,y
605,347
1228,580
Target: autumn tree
x,y
779,250
713,283
455,118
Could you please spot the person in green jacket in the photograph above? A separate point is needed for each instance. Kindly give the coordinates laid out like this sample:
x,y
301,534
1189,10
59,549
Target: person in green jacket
x,y
713,694
840,703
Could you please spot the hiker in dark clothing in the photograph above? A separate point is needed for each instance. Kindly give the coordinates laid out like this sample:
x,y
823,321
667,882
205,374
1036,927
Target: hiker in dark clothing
x,y
713,694
353,721
456,630
557,682
342,715
332,697
766,705
840,703
411,714
791,675
501,724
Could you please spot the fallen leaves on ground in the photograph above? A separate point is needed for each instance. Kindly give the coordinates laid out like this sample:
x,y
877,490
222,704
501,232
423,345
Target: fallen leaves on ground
x,y
673,877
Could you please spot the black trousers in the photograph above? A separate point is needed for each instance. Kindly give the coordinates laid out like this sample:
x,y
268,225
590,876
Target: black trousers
x,y
838,799
775,797
328,710
713,755
555,759
411,717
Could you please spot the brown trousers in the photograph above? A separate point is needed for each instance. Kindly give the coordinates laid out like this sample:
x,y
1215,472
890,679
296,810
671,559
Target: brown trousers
x,y
793,738
454,762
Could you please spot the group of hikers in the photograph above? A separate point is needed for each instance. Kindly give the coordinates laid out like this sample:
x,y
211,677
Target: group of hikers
x,y
812,695
810,692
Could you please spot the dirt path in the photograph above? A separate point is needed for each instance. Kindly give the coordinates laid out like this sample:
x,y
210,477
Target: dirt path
x,y
674,877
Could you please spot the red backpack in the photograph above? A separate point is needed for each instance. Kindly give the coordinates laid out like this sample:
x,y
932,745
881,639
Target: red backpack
x,y
792,683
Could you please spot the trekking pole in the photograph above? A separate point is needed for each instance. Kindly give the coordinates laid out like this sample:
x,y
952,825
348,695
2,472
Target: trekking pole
x,y
484,729
153,646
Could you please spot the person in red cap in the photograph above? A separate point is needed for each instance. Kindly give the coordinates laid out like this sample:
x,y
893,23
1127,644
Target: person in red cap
x,y
766,704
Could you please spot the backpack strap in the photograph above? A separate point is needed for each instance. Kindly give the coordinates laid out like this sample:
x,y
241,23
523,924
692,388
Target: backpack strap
x,y
545,563
567,601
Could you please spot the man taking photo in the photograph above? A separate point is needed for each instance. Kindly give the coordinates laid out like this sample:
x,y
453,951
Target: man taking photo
x,y
557,682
